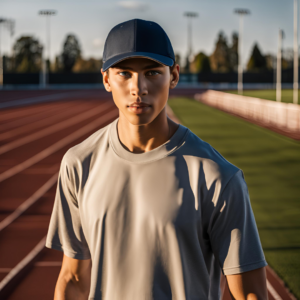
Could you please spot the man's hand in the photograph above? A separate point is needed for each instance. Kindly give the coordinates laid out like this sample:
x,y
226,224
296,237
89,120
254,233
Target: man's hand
x,y
250,285
73,282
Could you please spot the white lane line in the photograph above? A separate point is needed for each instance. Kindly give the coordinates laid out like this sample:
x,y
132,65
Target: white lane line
x,y
27,203
58,145
48,264
272,291
54,128
20,125
22,264
21,115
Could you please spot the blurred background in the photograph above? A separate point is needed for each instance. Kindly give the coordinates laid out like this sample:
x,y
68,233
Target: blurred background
x,y
238,91
70,35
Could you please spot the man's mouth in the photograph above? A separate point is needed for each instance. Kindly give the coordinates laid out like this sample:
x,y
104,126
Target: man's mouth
x,y
139,105
139,108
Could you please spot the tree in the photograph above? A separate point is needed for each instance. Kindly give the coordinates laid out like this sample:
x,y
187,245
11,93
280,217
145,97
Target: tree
x,y
87,65
257,61
186,67
201,63
71,52
28,54
8,64
287,58
271,61
233,51
220,59
57,64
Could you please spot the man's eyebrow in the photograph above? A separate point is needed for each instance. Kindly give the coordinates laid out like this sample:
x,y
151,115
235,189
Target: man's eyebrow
x,y
154,65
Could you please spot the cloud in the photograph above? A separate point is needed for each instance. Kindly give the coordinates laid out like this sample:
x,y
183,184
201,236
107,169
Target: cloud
x,y
133,5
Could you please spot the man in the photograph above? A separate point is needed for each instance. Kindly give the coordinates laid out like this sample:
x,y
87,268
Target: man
x,y
144,208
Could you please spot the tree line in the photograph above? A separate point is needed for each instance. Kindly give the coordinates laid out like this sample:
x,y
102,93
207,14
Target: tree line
x,y
27,57
28,51
225,58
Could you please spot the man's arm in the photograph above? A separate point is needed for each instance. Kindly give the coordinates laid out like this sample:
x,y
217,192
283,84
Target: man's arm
x,y
251,285
73,282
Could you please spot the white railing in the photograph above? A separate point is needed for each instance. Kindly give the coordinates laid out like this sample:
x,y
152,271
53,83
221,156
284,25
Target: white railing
x,y
283,115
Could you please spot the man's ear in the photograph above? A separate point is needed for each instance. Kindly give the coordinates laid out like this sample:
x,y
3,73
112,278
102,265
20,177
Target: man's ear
x,y
105,79
174,76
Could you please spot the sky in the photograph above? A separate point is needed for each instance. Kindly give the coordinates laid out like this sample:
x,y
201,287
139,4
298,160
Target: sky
x,y
91,21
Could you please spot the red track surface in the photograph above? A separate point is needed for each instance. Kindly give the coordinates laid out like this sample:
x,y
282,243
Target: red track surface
x,y
33,140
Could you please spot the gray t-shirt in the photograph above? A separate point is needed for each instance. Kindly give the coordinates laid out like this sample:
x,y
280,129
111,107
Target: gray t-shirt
x,y
157,225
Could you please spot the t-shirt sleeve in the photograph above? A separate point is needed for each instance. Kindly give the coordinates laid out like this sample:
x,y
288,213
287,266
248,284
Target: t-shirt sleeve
x,y
233,232
65,229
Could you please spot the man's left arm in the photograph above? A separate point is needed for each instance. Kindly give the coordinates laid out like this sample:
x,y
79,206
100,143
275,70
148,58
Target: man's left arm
x,y
235,241
251,285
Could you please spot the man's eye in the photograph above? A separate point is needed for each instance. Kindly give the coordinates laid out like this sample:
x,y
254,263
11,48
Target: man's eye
x,y
154,72
126,73
123,72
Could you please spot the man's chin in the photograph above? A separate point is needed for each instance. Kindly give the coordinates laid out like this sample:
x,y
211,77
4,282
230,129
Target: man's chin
x,y
139,119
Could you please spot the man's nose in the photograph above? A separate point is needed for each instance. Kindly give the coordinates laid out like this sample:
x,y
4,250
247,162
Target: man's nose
x,y
138,85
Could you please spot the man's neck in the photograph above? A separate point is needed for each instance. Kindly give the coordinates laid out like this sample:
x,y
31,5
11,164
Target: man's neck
x,y
143,138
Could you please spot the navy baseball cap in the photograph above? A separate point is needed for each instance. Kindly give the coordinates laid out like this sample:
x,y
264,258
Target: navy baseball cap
x,y
137,38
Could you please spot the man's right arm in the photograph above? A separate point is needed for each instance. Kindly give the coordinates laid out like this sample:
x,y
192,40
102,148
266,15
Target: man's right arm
x,y
74,279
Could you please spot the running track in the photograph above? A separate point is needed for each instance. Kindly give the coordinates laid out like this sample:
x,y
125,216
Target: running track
x,y
36,129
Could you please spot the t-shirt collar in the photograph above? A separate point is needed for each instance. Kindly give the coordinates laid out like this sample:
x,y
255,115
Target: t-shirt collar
x,y
176,141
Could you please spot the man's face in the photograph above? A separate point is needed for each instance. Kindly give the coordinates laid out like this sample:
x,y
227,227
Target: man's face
x,y
140,88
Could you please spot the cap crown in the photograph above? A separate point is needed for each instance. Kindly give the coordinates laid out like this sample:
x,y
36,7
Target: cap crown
x,y
137,36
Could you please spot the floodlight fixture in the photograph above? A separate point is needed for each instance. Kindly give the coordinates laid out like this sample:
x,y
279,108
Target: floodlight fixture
x,y
47,12
242,11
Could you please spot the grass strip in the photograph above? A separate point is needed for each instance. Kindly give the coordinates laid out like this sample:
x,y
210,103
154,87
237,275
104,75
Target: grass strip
x,y
286,94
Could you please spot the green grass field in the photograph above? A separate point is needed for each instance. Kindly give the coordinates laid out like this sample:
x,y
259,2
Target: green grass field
x,y
286,95
271,164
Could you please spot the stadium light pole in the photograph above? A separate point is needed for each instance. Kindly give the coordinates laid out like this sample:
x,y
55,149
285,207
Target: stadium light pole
x,y
47,13
190,15
11,27
2,21
279,57
241,13
295,85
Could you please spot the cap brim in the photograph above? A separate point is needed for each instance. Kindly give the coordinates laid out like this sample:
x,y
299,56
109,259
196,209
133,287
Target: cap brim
x,y
156,57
